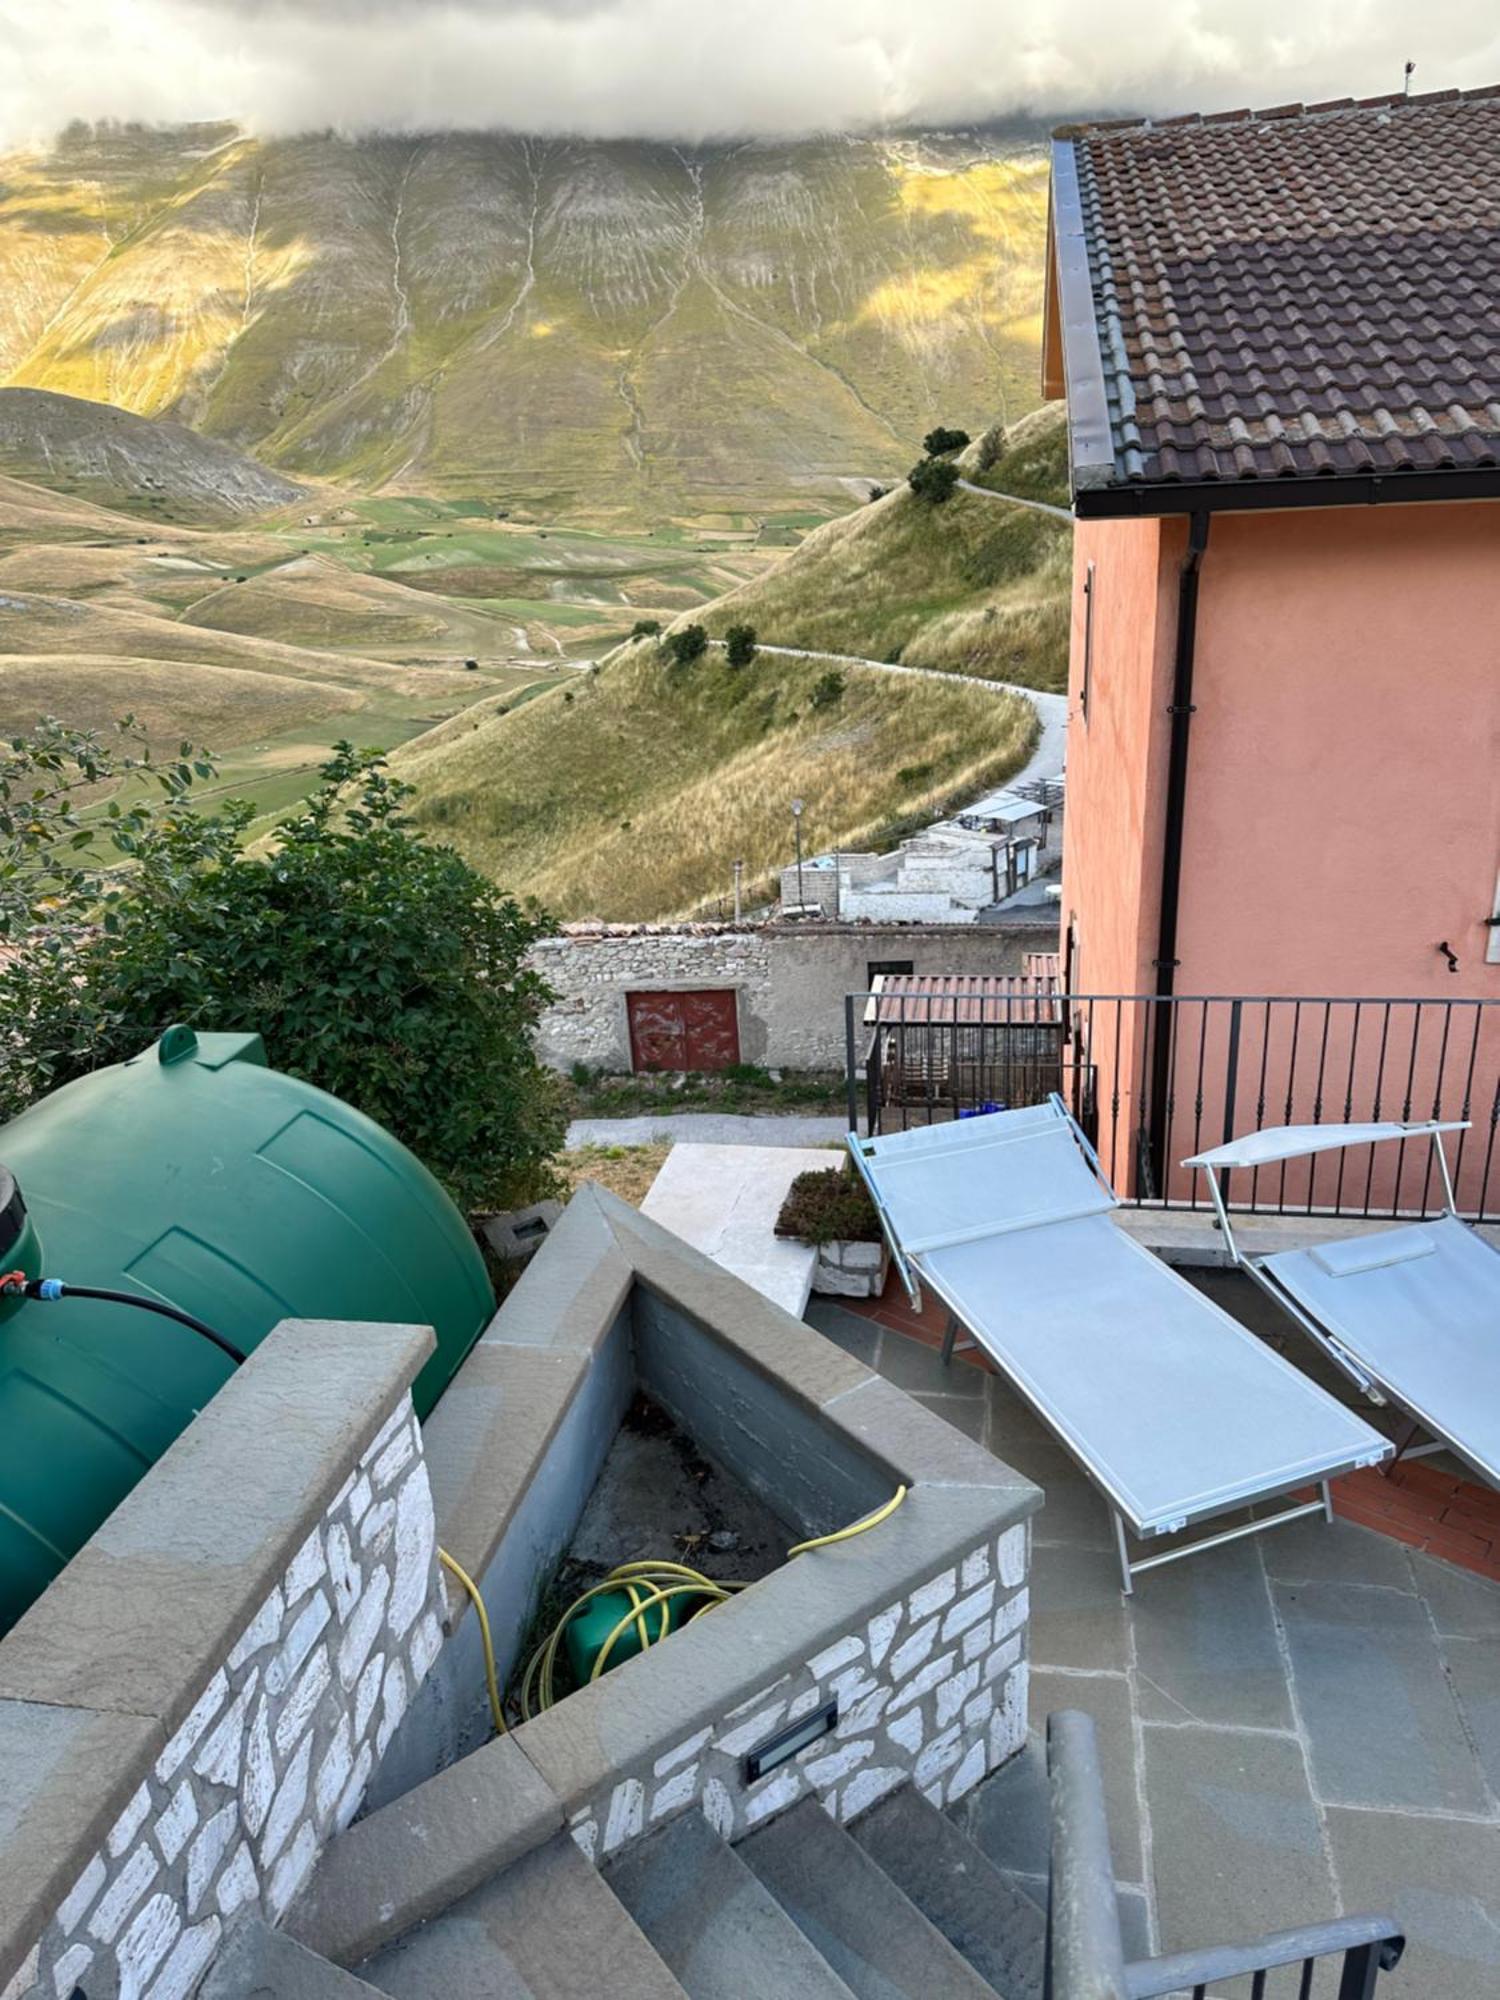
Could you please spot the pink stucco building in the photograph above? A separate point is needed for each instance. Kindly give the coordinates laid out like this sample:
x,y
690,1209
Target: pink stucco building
x,y
1279,337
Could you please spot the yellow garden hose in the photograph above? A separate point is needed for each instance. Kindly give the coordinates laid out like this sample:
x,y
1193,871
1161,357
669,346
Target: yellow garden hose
x,y
855,1527
650,1586
492,1679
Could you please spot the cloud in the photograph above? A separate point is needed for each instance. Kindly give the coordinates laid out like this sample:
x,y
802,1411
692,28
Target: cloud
x,y
696,69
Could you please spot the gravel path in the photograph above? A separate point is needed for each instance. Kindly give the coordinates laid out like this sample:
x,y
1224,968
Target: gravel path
x,y
716,1128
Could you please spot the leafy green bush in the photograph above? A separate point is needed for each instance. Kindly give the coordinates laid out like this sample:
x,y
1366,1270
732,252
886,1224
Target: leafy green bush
x,y
827,690
829,1205
645,628
942,440
933,480
686,645
375,965
739,645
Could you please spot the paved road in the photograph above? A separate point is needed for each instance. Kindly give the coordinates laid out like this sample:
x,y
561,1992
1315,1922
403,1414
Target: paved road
x,y
717,1128
1015,500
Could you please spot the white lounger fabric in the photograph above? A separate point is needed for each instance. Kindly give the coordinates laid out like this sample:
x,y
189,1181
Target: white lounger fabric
x,y
1171,1406
1425,1325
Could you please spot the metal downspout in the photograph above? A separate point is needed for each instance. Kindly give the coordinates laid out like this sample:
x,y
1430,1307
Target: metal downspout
x,y
1180,710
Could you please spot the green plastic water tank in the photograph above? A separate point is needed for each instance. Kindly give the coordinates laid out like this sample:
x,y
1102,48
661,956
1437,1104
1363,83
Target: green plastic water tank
x,y
195,1175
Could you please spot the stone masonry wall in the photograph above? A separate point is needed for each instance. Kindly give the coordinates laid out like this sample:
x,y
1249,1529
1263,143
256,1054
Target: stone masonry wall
x,y
790,979
276,1754
933,1688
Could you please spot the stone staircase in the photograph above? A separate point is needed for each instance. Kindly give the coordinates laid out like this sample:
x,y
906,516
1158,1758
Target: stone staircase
x,y
900,1905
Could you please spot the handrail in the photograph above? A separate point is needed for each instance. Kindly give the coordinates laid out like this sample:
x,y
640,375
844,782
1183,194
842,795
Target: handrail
x,y
1375,1938
1085,1955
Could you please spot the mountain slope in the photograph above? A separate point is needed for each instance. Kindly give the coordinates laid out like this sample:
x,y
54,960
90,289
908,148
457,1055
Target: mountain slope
x,y
632,793
974,586
117,459
618,331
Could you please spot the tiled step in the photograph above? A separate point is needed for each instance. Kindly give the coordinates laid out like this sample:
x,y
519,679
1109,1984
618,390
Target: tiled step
x,y
718,1928
874,1937
548,1928
997,1926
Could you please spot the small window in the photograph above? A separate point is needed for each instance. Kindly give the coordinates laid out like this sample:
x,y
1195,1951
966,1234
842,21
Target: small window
x,y
901,967
1088,643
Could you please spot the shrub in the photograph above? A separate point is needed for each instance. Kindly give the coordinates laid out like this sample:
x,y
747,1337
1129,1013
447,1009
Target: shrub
x,y
645,628
687,645
375,965
942,440
739,645
878,492
933,480
827,690
829,1205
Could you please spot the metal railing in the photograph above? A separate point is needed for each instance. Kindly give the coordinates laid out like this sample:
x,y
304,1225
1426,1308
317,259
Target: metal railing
x,y
1085,1954
1154,1081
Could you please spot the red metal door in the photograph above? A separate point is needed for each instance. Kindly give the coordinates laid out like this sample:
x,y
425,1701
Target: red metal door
x,y
694,1030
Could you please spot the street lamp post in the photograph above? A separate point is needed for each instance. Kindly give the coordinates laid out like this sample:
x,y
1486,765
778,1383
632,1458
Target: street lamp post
x,y
797,827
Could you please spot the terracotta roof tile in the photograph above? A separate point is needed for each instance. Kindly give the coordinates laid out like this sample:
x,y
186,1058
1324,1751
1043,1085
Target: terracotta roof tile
x,y
1298,292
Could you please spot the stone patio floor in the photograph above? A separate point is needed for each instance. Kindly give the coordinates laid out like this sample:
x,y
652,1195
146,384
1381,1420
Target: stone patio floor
x,y
1299,1724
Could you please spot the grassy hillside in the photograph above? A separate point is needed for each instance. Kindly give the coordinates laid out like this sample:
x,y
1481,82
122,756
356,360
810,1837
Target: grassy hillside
x,y
620,332
163,470
973,585
634,798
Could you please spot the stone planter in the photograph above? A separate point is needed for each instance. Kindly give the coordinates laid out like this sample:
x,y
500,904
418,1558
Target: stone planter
x,y
852,1270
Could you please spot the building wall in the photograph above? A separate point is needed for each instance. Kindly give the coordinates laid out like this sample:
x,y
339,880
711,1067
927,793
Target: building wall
x,y
1343,809
791,979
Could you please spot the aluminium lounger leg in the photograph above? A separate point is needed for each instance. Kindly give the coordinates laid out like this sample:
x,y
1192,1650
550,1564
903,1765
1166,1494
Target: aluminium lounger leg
x,y
1127,1583
1327,1492
950,1335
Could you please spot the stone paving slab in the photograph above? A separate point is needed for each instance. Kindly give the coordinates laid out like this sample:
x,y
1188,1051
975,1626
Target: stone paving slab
x,y
724,1201
1206,1644
1440,1879
1078,1617
1237,1845
1474,1665
1382,1726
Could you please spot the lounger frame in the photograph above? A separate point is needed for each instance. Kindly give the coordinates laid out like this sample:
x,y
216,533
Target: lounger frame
x,y
914,1274
1370,1382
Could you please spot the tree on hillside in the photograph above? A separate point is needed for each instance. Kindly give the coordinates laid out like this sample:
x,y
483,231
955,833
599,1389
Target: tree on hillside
x,y
375,965
942,440
687,644
739,645
645,628
933,480
828,690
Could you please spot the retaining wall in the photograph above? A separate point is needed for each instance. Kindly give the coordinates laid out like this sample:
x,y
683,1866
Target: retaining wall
x,y
790,978
196,1705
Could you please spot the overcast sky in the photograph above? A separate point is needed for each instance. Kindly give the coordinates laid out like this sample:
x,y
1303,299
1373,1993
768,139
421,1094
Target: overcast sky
x,y
692,69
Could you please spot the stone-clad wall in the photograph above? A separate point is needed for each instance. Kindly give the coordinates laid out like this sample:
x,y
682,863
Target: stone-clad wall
x,y
276,1754
790,978
932,1688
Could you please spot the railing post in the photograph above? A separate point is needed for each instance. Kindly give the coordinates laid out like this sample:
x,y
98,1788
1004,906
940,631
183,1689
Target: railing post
x,y
851,1087
1231,1081
1085,1955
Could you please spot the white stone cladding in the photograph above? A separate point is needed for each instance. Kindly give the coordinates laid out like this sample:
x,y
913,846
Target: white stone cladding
x,y
851,1270
931,1689
275,1755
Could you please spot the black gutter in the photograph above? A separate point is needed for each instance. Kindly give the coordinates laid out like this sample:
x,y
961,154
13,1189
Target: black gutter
x,y
1101,503
1180,710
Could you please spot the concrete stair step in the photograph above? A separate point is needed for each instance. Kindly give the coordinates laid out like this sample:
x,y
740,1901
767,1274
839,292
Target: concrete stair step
x,y
257,1961
996,1925
547,1928
875,1938
719,1929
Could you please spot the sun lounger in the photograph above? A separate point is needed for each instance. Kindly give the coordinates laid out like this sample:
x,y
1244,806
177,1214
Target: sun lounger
x,y
1173,1409
1410,1313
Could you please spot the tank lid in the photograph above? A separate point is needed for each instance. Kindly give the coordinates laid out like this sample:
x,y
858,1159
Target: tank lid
x,y
12,1213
